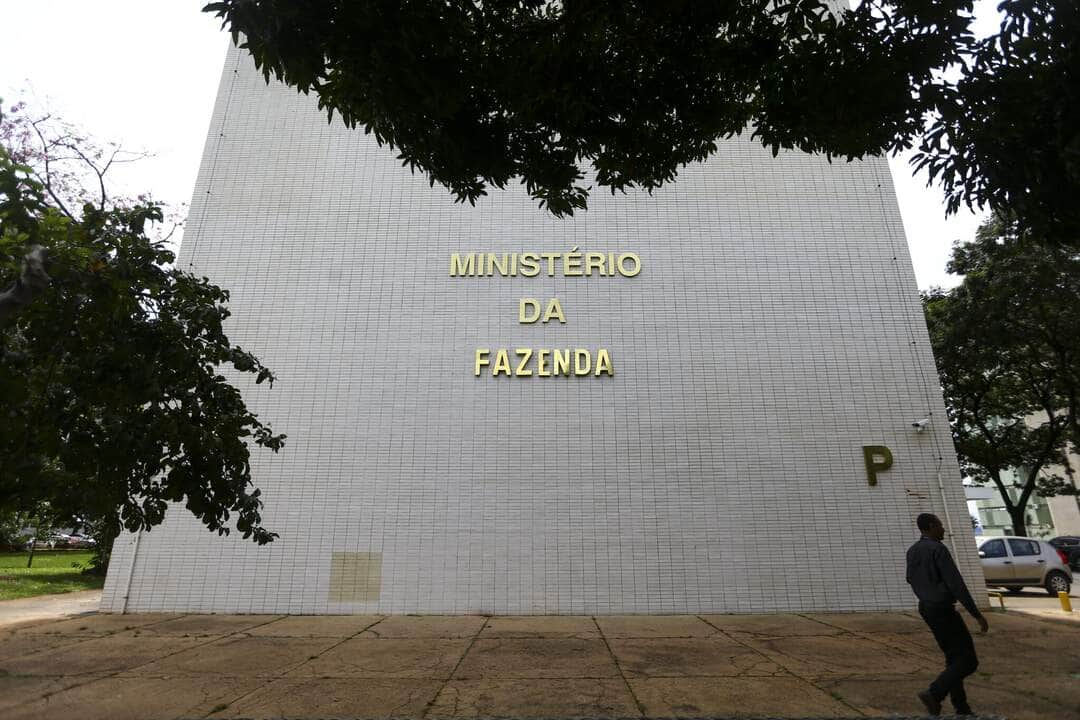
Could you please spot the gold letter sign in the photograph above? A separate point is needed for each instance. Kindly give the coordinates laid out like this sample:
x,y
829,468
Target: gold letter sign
x,y
548,362
878,458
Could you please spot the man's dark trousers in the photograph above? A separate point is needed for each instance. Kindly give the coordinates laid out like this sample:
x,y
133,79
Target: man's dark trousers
x,y
960,660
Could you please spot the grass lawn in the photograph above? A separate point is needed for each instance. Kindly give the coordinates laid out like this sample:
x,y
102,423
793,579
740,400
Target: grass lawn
x,y
52,572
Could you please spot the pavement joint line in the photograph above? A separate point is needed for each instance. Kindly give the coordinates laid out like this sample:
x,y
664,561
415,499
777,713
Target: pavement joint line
x,y
804,616
913,652
19,630
773,636
789,671
273,679
98,678
377,636
76,641
877,641
445,693
811,679
626,681
279,618
468,648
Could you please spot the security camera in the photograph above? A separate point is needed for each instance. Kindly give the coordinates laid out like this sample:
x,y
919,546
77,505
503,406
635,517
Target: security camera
x,y
920,425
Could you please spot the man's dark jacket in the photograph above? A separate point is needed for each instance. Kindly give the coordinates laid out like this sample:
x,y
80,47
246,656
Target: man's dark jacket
x,y
933,576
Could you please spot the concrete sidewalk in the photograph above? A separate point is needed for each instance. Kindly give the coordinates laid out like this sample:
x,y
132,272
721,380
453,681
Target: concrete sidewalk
x,y
48,607
260,666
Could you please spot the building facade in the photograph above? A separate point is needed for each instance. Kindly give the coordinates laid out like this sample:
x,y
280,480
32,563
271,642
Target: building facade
x,y
749,331
1046,517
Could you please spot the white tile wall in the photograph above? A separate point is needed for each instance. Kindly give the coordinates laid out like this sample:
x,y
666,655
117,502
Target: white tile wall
x,y
775,329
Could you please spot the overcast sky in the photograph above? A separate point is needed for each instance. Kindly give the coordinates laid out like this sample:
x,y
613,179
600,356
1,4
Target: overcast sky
x,y
145,73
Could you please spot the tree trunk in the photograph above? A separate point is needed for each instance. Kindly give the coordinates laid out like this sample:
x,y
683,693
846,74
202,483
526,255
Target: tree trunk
x,y
30,559
1015,509
1019,520
106,530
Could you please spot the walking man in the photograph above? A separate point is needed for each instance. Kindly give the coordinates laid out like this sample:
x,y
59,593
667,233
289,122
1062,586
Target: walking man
x,y
933,576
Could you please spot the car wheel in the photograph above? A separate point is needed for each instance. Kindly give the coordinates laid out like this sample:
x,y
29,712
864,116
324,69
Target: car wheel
x,y
1057,582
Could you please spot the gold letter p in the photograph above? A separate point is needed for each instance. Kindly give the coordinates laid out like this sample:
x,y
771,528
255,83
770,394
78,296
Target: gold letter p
x,y
878,458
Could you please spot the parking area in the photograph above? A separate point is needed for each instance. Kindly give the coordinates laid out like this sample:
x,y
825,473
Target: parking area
x,y
1039,603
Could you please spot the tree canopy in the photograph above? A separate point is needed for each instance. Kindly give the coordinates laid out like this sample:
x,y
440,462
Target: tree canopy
x,y
112,398
1007,344
479,94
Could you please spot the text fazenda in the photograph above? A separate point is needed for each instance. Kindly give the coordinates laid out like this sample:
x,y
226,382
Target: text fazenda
x,y
543,362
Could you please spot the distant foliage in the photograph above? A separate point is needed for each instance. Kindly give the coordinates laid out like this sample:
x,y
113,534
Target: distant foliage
x,y
1007,344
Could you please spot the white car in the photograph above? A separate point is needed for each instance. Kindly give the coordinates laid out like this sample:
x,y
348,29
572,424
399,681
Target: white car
x,y
1018,562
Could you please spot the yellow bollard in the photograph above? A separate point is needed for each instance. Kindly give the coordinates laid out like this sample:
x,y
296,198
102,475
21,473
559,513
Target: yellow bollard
x,y
1066,604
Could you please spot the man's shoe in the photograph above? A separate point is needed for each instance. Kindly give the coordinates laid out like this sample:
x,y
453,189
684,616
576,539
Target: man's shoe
x,y
933,707
963,711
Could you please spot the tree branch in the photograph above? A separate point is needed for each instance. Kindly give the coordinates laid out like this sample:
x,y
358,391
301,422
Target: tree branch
x,y
100,175
47,180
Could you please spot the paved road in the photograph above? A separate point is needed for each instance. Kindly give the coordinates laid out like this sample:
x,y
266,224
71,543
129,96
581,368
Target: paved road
x,y
48,607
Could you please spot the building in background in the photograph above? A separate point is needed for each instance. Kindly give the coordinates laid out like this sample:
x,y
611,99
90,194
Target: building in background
x,y
737,383
1046,517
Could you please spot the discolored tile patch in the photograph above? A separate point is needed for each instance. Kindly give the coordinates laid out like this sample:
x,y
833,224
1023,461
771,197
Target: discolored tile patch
x,y
208,625
1013,622
1061,641
368,657
1017,705
735,697
31,625
537,658
315,698
680,657
135,699
880,696
428,626
780,625
837,655
653,626
97,624
919,644
891,622
541,626
97,656
301,626
896,694
239,657
21,690
534,698
1002,652
1012,653
14,647
1059,689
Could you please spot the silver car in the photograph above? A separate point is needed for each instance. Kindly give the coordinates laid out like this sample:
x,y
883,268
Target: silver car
x,y
1018,562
